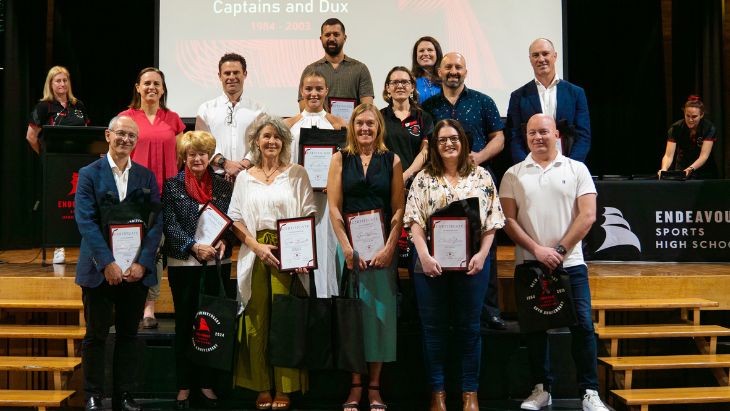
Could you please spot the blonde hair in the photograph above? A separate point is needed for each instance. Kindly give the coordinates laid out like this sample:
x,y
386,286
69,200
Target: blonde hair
x,y
379,143
195,140
48,90
252,137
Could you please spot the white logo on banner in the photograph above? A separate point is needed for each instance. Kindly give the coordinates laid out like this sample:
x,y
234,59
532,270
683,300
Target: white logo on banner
x,y
618,231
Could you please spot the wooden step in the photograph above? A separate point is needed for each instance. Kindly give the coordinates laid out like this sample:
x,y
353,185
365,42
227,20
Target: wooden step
x,y
39,363
56,365
625,366
33,398
632,304
34,304
684,395
616,332
70,333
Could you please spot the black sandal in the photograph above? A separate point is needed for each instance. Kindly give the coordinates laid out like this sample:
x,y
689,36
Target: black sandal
x,y
376,406
352,405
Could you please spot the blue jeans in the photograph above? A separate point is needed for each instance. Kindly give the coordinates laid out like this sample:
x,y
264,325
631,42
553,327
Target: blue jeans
x,y
583,344
452,300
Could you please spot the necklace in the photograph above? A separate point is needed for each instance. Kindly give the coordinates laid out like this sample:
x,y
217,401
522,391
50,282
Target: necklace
x,y
268,176
365,163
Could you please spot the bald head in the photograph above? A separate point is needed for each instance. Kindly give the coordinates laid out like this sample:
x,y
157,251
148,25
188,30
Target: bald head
x,y
452,71
542,136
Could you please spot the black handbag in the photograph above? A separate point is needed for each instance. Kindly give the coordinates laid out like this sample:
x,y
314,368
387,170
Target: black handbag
x,y
544,298
300,328
347,325
214,327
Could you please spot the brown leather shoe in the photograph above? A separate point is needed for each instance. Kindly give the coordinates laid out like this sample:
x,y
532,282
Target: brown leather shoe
x,y
438,401
470,401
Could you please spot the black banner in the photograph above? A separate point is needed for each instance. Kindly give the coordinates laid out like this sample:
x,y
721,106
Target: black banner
x,y
661,221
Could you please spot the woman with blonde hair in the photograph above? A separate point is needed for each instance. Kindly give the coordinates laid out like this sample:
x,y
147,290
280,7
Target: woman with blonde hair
x,y
366,176
183,197
58,107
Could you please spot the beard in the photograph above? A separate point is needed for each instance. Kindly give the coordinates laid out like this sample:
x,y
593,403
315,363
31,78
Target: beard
x,y
332,51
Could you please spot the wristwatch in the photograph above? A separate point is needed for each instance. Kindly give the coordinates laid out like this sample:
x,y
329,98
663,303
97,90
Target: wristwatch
x,y
560,249
220,161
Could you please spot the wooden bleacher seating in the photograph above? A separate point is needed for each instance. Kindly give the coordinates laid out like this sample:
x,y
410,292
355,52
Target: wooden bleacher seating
x,y
705,337
33,398
601,306
45,305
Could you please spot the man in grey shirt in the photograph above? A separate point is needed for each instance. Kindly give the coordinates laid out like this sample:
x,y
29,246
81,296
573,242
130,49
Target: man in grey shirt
x,y
346,77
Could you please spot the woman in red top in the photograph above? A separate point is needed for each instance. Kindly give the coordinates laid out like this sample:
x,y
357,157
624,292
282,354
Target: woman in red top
x,y
159,130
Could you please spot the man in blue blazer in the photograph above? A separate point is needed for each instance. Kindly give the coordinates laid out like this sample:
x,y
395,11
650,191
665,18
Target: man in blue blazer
x,y
111,188
548,94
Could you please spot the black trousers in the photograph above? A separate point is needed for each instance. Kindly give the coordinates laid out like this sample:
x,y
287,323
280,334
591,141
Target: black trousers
x,y
106,305
185,288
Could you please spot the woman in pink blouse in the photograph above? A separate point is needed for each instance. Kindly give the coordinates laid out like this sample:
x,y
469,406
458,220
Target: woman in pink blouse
x,y
159,130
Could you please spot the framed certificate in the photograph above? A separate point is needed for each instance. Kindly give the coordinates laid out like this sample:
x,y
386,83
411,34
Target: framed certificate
x,y
125,241
316,160
297,243
367,232
342,107
212,224
450,242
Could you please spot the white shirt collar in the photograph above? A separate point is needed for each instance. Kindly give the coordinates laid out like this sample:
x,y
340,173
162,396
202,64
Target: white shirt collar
x,y
113,165
553,83
559,159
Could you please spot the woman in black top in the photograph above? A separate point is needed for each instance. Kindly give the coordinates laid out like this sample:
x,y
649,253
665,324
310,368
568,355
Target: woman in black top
x,y
58,107
407,127
689,143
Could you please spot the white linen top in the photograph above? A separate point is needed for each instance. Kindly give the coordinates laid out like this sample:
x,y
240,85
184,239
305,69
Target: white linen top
x,y
259,206
230,138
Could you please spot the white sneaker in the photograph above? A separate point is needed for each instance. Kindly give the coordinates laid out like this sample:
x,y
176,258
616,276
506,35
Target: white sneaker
x,y
538,399
591,402
59,256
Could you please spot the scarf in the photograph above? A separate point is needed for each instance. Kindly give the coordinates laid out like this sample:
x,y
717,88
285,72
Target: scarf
x,y
200,191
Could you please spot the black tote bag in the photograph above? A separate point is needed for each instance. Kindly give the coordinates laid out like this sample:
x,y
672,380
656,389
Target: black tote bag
x,y
214,328
348,342
544,298
300,329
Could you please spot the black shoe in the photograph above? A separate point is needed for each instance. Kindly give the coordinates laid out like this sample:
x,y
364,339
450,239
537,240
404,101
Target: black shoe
x,y
182,404
496,323
94,404
125,403
205,402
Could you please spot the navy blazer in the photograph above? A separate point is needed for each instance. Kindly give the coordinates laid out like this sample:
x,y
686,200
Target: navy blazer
x,y
95,181
182,211
572,107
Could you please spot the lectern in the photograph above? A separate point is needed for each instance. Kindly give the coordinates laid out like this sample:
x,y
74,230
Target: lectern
x,y
64,150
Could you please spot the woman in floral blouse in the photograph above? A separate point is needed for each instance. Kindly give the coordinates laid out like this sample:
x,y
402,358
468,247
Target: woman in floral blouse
x,y
451,298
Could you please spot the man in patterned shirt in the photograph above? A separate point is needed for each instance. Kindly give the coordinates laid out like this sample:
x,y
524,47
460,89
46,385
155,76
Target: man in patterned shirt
x,y
480,118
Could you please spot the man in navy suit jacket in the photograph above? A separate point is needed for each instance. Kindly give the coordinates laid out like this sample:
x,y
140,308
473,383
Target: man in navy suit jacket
x,y
548,94
113,296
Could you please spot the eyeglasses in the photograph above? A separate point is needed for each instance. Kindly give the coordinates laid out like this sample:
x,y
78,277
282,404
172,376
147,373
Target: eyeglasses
x,y
453,139
124,134
403,83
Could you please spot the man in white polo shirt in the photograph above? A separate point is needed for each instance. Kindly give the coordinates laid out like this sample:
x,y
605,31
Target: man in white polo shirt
x,y
227,116
549,201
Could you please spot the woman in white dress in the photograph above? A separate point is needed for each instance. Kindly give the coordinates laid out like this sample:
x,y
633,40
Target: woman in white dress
x,y
273,188
314,92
